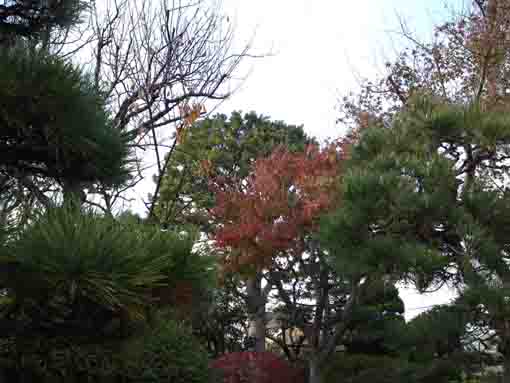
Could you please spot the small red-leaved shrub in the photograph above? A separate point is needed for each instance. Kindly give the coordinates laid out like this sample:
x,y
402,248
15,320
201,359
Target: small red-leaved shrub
x,y
256,367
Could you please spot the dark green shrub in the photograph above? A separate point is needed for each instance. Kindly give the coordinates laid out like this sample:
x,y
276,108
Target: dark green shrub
x,y
167,353
366,368
361,368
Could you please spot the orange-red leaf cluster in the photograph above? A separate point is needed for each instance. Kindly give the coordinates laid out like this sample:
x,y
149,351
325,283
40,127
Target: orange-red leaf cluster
x,y
189,115
268,213
256,367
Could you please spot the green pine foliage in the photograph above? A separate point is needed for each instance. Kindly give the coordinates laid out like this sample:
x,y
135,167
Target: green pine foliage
x,y
53,123
79,263
30,19
82,293
428,349
377,325
395,196
425,201
362,368
82,288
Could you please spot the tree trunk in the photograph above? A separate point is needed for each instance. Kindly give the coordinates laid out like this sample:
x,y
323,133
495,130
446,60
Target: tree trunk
x,y
506,369
492,40
504,348
256,314
314,374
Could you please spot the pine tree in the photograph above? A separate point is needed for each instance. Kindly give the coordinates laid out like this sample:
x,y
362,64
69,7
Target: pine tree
x,y
35,19
426,201
54,126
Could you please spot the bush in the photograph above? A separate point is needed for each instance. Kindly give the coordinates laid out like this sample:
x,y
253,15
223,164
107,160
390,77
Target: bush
x,y
58,360
361,368
168,353
83,289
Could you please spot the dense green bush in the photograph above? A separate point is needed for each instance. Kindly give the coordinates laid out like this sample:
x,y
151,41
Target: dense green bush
x,y
167,353
365,368
361,368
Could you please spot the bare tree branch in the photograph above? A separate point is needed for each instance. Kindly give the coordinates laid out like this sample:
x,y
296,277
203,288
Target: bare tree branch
x,y
153,59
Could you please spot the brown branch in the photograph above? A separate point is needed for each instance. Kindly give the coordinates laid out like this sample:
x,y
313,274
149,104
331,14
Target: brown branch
x,y
150,60
343,319
396,89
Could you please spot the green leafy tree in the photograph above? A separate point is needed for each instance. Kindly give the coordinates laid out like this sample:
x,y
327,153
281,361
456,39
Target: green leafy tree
x,y
217,149
220,320
436,344
378,323
381,347
467,65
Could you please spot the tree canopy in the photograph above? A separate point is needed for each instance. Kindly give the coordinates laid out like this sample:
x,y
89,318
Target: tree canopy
x,y
217,149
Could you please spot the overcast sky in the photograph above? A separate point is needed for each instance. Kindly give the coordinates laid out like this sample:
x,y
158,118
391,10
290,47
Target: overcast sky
x,y
321,48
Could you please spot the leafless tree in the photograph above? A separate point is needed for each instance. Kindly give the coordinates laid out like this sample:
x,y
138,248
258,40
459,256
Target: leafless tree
x,y
160,64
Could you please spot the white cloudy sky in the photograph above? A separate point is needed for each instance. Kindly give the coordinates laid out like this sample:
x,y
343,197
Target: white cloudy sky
x,y
321,49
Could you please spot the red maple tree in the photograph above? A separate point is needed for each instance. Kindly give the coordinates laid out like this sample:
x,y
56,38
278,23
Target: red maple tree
x,y
256,367
265,214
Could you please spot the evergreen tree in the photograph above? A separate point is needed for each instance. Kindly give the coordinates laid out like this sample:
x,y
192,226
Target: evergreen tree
x,y
40,133
54,126
377,323
35,19
426,201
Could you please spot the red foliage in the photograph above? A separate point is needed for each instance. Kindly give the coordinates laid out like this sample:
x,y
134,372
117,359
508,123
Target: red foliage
x,y
256,367
281,199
